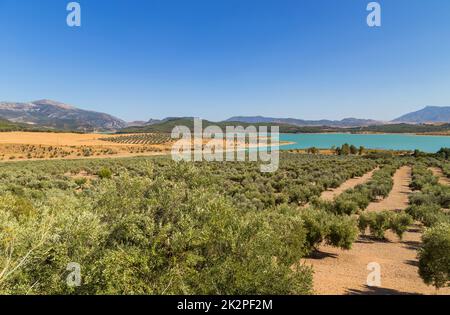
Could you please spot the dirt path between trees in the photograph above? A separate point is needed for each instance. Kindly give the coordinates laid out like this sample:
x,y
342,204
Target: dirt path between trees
x,y
399,197
345,272
443,180
329,195
341,272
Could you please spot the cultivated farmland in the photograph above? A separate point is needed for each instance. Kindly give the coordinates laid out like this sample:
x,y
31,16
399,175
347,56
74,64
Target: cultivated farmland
x,y
149,225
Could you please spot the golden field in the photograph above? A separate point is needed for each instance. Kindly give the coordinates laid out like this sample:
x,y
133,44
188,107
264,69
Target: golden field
x,y
46,145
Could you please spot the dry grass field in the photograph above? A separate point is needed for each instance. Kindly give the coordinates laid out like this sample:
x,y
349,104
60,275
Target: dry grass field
x,y
47,145
43,145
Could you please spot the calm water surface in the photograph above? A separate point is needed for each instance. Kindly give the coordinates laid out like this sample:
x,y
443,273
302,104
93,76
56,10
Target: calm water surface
x,y
372,141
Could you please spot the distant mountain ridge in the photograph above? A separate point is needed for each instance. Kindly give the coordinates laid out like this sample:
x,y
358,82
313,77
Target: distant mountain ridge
x,y
347,122
48,113
54,115
429,114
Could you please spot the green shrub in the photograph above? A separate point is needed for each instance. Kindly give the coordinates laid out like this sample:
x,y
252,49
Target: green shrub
x,y
434,256
165,227
343,232
80,181
323,226
317,226
344,206
428,214
399,223
104,173
19,207
379,222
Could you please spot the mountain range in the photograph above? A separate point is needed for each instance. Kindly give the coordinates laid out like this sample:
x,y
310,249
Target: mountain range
x,y
52,114
56,115
430,114
347,122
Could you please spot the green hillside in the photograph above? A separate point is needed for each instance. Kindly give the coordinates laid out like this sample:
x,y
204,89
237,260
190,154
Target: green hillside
x,y
9,126
404,128
6,125
169,125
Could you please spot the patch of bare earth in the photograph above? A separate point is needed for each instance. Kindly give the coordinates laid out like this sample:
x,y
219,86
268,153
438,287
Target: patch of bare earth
x,y
30,146
443,180
399,197
342,272
330,194
82,174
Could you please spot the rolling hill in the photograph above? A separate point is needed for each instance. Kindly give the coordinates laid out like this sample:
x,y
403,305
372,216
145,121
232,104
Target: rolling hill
x,y
6,125
344,123
168,124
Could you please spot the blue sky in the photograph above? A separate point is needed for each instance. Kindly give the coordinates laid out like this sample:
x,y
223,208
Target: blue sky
x,y
311,59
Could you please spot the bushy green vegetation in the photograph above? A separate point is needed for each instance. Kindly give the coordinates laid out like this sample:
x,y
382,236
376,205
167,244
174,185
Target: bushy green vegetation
x,y
153,226
104,173
143,232
434,256
444,153
357,199
321,225
430,206
379,222
429,199
347,149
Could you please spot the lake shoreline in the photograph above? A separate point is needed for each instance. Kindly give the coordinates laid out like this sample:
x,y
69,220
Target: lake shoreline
x,y
370,141
369,133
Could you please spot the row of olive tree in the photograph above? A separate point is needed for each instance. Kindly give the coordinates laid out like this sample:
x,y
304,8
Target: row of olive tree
x,y
427,204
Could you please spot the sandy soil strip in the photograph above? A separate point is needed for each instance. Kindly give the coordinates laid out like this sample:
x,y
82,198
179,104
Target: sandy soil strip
x,y
330,194
443,180
399,197
345,272
49,138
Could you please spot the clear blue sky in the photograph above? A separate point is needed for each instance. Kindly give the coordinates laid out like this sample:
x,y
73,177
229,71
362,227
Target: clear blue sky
x,y
311,59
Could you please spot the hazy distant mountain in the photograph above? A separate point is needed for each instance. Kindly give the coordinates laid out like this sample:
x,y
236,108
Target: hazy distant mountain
x,y
57,115
430,114
140,123
152,122
137,123
347,122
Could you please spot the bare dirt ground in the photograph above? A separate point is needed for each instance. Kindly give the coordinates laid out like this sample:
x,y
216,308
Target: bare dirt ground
x,y
345,272
341,272
55,139
50,146
399,196
31,146
443,180
329,195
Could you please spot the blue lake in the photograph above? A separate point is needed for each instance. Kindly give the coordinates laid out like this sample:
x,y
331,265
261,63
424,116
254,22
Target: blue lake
x,y
371,141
